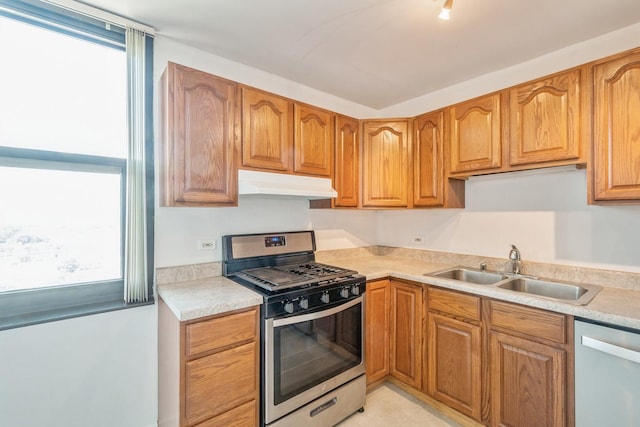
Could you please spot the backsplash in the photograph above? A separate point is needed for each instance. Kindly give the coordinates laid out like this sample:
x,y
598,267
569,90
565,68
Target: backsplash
x,y
607,278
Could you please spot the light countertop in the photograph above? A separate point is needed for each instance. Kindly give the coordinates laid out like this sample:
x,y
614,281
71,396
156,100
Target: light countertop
x,y
205,297
199,298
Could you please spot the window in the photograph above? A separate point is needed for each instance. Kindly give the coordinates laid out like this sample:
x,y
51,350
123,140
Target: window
x,y
63,164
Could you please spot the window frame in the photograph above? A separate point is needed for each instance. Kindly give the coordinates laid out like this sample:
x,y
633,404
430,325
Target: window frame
x,y
39,305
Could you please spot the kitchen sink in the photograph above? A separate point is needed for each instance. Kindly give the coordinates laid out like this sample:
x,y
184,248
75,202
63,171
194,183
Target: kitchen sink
x,y
579,294
470,275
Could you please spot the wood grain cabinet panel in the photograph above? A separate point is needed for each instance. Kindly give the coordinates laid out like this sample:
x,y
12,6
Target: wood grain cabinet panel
x,y
476,134
529,321
219,382
546,118
208,369
454,350
616,144
528,383
219,332
406,333
386,164
531,366
267,131
428,158
377,329
198,138
454,364
242,416
347,163
313,140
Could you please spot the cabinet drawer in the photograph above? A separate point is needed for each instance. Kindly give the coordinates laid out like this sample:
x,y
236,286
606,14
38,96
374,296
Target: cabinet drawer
x,y
220,332
529,321
219,382
454,303
242,416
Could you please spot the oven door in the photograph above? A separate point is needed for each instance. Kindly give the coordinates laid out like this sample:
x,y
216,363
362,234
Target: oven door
x,y
309,355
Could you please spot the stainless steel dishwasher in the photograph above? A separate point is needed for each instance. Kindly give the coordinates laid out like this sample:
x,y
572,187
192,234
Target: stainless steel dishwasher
x,y
607,379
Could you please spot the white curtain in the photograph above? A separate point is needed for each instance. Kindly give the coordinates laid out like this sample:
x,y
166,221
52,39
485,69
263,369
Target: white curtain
x,y
135,265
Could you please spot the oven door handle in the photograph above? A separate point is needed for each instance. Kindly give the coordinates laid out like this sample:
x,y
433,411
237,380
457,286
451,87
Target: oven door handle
x,y
317,314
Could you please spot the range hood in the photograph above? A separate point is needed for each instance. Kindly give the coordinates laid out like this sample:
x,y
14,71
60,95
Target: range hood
x,y
283,185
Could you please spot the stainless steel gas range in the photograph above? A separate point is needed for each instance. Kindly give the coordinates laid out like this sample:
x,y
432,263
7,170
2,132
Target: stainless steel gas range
x,y
312,349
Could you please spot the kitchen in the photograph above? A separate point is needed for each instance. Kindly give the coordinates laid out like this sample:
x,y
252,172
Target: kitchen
x,y
61,371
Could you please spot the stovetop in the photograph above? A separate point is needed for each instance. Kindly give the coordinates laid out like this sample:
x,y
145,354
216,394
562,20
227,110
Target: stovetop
x,y
278,278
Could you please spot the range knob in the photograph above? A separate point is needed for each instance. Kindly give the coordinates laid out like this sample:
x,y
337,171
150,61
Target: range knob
x,y
344,292
304,303
288,307
325,297
355,290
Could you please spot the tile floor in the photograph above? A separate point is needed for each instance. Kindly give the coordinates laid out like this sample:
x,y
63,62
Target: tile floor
x,y
389,406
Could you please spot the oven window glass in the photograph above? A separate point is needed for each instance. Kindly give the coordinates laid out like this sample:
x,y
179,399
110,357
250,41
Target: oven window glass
x,y
308,353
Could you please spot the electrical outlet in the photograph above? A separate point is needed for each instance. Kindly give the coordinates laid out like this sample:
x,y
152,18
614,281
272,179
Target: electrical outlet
x,y
418,240
207,245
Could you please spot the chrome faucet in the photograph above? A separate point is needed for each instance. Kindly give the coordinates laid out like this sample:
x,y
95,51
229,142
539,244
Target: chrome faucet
x,y
514,257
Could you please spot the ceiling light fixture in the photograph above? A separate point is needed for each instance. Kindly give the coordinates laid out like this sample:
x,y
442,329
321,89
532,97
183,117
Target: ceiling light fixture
x,y
446,10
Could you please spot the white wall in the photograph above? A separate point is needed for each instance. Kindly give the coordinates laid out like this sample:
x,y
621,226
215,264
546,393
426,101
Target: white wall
x,y
98,371
544,213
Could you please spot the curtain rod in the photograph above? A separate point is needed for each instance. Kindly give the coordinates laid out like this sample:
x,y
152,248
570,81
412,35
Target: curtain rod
x,y
109,17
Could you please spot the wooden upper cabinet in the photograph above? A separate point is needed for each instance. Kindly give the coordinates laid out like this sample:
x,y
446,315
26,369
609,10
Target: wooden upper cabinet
x,y
386,164
476,134
347,162
198,138
313,140
546,118
428,174
616,124
267,131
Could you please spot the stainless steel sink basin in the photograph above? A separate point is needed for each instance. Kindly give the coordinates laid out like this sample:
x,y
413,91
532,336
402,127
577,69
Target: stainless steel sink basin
x,y
567,292
470,275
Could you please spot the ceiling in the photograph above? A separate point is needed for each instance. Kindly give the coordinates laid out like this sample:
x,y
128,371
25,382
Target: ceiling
x,y
378,53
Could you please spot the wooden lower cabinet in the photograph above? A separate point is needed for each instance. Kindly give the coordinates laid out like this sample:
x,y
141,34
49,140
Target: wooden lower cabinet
x,y
208,369
497,363
377,319
530,367
527,383
405,361
454,364
454,351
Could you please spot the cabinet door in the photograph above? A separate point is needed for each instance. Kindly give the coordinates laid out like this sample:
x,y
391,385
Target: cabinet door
x,y
244,415
267,131
476,136
387,166
616,151
219,382
198,138
428,174
377,330
406,333
454,363
528,383
347,165
313,140
546,119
